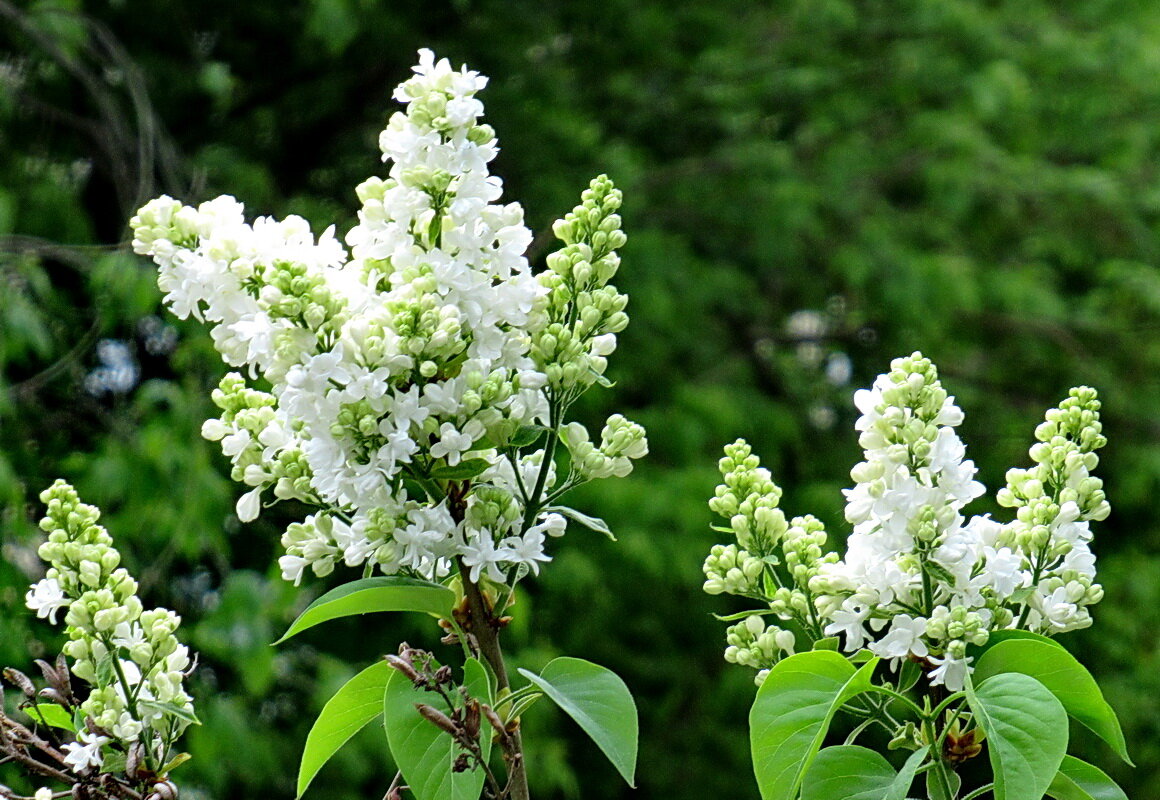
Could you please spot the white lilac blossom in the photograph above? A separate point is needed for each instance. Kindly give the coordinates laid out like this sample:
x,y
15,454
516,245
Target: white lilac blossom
x,y
409,369
128,654
919,580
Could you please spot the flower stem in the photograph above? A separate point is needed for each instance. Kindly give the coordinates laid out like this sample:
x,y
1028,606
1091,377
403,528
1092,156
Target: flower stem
x,y
486,631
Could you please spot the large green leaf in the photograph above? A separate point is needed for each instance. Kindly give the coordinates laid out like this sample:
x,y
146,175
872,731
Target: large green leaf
x,y
1026,731
1079,780
375,594
350,710
792,713
848,772
600,703
1065,677
424,753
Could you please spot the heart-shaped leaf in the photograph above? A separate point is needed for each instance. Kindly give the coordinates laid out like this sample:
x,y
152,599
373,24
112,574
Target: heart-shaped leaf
x,y
369,595
600,703
792,713
1064,677
1026,731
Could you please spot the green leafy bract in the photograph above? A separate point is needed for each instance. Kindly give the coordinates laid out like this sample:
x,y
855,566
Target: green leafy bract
x,y
589,522
424,753
600,703
1064,677
792,713
374,594
351,709
1026,731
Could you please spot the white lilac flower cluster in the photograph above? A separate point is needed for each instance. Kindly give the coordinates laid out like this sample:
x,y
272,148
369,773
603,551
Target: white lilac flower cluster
x,y
919,580
408,375
129,655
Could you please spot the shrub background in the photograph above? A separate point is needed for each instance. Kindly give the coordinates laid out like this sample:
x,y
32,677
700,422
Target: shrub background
x,y
810,189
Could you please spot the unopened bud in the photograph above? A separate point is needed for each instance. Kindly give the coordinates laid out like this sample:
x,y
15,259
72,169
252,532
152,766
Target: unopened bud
x,y
437,718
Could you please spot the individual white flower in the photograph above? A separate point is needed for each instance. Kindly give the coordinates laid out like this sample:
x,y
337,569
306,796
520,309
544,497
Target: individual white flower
x,y
527,550
46,598
848,621
481,555
85,755
453,442
904,638
950,672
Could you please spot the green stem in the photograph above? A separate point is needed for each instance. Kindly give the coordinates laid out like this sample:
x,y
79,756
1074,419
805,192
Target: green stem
x,y
940,767
534,500
982,790
131,701
863,726
945,704
902,699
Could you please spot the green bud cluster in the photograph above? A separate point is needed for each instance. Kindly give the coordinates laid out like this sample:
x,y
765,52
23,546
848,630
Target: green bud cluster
x,y
621,442
752,643
748,498
165,222
957,624
1054,501
803,547
581,312
908,415
731,570
130,655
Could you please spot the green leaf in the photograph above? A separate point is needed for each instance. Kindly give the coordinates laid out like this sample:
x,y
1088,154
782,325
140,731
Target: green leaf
x,y
829,643
522,705
600,703
848,772
600,379
901,786
175,762
527,435
53,715
375,594
351,709
591,523
1079,780
1064,677
792,713
477,678
104,669
113,762
172,710
1026,731
464,470
423,752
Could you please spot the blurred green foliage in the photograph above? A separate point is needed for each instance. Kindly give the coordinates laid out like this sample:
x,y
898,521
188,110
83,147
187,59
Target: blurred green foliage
x,y
811,189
